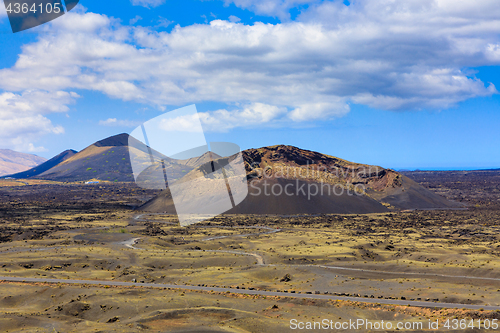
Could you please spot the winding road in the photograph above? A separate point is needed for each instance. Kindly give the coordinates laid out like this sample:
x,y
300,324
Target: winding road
x,y
261,261
252,292
130,243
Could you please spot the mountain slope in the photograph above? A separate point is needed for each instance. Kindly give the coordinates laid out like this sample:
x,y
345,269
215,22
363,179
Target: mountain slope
x,y
195,162
288,180
12,161
107,160
33,172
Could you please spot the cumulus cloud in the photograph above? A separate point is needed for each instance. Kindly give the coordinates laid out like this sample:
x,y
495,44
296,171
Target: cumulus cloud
x,y
493,52
312,111
186,123
23,116
223,120
148,3
387,54
251,115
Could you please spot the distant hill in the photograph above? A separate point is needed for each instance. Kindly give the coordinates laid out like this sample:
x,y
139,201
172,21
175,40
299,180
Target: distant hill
x,y
106,160
12,161
33,172
291,167
198,161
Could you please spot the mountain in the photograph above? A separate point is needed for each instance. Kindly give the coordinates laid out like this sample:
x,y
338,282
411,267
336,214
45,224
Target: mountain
x,y
153,176
289,180
345,187
13,161
195,162
106,159
33,172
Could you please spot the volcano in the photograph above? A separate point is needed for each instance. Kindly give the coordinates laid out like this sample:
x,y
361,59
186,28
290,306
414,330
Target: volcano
x,y
289,180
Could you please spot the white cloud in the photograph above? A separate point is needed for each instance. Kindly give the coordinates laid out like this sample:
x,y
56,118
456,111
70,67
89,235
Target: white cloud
x,y
493,52
222,120
22,117
134,20
163,23
249,116
79,22
3,13
119,122
187,123
109,121
276,8
148,3
234,19
312,111
33,149
386,54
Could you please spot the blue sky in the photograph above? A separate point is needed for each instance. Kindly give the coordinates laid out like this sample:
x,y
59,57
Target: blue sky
x,y
403,85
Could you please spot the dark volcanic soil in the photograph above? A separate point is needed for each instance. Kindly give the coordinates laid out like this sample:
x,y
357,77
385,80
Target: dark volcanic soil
x,y
21,206
474,188
460,243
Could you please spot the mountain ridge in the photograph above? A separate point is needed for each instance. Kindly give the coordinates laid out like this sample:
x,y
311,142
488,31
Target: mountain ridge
x,y
106,159
365,188
12,161
39,169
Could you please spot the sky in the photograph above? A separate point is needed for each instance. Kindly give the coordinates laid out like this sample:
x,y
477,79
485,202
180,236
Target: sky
x,y
401,84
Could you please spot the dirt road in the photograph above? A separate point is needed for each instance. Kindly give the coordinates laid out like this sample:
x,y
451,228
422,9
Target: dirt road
x,y
252,292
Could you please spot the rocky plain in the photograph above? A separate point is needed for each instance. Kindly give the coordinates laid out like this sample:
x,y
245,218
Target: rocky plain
x,y
88,260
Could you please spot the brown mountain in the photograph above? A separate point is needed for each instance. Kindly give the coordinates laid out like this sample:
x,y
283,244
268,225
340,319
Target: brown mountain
x,y
386,186
106,160
282,179
289,180
33,172
12,161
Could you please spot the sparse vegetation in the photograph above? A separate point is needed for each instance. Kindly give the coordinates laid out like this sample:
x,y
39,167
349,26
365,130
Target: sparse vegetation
x,y
77,232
